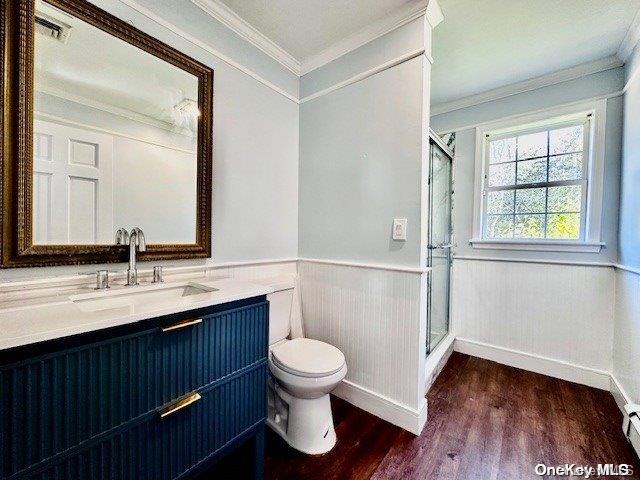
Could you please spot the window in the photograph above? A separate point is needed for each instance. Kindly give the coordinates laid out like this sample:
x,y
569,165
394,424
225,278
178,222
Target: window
x,y
536,183
539,183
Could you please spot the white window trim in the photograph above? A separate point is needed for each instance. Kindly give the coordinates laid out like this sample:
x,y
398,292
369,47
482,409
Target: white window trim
x,y
591,243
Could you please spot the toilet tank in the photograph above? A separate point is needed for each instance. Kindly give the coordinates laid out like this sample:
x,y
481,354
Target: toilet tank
x,y
279,306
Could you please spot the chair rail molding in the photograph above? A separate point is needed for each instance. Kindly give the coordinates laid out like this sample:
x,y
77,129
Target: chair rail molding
x,y
541,261
627,268
372,266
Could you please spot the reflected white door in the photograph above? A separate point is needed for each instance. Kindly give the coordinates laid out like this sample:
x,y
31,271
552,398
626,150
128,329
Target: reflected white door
x,y
72,185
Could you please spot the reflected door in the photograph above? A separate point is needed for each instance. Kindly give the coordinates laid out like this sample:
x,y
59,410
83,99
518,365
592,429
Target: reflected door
x,y
72,185
440,243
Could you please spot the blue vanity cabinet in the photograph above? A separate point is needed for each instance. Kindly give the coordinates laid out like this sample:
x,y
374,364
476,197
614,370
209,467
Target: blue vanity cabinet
x,y
159,399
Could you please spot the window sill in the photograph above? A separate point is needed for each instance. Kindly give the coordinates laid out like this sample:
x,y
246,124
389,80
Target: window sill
x,y
538,246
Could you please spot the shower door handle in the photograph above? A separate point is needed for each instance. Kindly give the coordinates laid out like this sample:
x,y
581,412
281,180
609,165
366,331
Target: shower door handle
x,y
443,246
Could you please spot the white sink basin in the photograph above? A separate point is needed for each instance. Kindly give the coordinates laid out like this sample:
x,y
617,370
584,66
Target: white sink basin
x,y
141,297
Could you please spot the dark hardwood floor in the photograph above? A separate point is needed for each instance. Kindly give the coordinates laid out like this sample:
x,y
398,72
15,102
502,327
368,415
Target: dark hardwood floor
x,y
486,421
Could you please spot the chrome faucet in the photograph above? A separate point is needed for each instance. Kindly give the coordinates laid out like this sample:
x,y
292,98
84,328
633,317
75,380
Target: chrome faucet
x,y
136,239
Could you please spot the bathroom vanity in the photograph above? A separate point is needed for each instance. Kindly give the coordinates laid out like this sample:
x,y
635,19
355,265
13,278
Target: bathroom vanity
x,y
149,397
109,132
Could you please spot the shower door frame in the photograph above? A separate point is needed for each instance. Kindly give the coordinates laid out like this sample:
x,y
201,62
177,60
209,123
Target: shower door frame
x,y
434,139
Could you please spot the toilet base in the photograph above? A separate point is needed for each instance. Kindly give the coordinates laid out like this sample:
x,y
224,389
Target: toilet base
x,y
306,424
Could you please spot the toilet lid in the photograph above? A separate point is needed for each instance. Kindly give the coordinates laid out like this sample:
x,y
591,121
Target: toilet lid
x,y
307,358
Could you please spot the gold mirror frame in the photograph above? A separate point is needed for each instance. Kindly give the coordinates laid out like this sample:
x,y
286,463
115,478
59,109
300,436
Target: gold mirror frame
x,y
17,27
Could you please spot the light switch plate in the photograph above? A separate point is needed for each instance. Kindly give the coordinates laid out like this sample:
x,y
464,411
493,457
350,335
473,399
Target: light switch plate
x,y
400,229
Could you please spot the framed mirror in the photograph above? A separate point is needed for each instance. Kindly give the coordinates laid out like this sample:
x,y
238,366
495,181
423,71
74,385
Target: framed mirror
x,y
105,128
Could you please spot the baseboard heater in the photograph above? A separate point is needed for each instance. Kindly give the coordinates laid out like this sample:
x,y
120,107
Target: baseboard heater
x,y
631,425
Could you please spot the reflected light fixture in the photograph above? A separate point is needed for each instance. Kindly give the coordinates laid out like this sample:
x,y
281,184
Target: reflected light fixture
x,y
188,108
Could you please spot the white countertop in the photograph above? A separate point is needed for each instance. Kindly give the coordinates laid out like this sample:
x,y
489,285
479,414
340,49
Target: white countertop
x,y
59,316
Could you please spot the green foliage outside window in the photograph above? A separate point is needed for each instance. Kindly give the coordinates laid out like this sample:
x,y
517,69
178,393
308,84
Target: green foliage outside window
x,y
539,208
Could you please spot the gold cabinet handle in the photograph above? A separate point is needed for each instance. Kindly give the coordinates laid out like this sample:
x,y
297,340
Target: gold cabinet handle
x,y
182,324
179,404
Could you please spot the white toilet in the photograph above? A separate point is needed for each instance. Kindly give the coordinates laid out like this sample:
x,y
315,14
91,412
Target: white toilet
x,y
304,372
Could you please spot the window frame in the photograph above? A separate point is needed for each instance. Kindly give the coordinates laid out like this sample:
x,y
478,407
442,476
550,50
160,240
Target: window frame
x,y
593,114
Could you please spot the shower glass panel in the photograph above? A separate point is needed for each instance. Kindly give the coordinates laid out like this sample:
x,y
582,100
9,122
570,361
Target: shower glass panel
x,y
440,244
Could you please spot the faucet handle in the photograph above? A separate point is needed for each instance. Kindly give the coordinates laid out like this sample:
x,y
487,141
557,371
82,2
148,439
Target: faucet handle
x,y
102,279
122,236
157,274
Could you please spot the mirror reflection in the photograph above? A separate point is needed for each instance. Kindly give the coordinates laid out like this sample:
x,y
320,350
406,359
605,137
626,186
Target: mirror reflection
x,y
115,138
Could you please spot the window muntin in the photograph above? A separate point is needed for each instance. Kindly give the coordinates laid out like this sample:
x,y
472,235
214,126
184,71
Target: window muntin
x,y
535,183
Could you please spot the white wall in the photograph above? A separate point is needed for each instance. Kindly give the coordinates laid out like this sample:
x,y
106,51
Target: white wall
x,y
607,82
357,175
373,316
626,344
154,188
629,193
552,319
154,169
590,86
409,38
187,18
361,165
255,165
536,310
255,136
626,339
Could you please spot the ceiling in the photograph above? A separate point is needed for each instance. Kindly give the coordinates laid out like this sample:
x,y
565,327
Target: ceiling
x,y
483,45
306,28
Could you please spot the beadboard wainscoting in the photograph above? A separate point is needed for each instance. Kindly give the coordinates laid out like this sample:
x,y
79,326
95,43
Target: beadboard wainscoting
x,y
625,383
547,318
373,316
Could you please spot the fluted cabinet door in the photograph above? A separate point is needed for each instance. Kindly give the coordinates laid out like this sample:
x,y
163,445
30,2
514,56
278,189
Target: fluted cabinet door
x,y
91,411
166,448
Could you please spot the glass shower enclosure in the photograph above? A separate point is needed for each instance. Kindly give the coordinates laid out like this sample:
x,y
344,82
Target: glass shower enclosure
x,y
440,240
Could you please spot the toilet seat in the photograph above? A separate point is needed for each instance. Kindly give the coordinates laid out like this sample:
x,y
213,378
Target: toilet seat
x,y
306,357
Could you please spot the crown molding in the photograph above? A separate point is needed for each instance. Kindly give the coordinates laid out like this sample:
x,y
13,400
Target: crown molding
x,y
630,39
434,13
554,78
113,110
394,20
234,22
205,46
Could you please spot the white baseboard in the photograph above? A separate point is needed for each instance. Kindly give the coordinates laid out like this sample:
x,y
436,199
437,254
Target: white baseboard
x,y
383,407
619,393
536,363
437,359
622,398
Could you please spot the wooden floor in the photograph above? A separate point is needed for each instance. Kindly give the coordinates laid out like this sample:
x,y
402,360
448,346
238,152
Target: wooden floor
x,y
486,421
